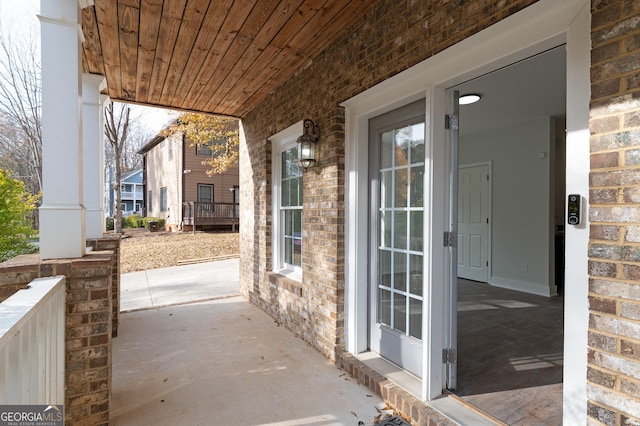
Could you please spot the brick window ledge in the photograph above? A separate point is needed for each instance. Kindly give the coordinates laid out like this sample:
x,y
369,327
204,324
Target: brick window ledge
x,y
285,283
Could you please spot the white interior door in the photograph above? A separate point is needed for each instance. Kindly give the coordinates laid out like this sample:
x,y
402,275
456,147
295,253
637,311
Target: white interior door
x,y
397,158
473,222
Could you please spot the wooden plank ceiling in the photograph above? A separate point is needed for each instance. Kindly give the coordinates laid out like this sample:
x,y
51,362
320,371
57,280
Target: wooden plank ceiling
x,y
221,57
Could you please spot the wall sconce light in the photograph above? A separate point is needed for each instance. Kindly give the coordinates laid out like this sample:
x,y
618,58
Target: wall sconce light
x,y
307,144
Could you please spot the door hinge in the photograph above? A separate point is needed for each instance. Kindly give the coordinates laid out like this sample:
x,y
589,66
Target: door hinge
x,y
450,239
451,122
449,356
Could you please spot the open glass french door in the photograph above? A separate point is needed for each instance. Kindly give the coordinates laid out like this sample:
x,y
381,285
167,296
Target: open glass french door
x,y
397,165
451,242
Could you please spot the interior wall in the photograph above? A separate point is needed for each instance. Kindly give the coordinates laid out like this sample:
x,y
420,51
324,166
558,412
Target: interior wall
x,y
560,170
521,227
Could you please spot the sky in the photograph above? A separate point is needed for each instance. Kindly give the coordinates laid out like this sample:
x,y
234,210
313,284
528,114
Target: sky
x,y
18,18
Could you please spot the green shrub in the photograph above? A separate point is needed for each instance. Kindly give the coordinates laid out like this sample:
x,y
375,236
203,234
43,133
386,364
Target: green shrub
x,y
110,224
146,221
133,221
16,205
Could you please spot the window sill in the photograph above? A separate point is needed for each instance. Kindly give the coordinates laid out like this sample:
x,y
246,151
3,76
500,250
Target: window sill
x,y
285,283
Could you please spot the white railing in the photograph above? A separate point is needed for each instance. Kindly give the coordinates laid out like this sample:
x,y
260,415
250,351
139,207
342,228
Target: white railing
x,y
126,213
131,195
32,344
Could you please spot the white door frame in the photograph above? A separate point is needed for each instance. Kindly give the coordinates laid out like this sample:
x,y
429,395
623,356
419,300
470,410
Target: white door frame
x,y
544,24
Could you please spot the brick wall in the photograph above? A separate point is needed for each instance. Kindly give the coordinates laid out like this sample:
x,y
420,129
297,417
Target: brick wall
x,y
614,251
392,37
111,242
88,328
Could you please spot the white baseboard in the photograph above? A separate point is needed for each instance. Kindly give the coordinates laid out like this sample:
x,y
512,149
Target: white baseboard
x,y
524,286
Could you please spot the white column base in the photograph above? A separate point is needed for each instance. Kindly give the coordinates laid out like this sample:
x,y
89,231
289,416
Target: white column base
x,y
95,223
65,225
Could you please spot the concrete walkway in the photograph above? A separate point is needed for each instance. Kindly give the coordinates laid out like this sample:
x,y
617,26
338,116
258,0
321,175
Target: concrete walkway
x,y
178,284
221,361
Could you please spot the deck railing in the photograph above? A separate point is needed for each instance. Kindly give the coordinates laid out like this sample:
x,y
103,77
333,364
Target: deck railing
x,y
198,213
32,344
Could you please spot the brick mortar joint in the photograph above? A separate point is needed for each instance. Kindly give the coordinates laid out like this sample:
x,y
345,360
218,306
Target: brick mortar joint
x,y
612,279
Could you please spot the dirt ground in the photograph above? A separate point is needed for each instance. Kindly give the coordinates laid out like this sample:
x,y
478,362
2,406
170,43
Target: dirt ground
x,y
141,249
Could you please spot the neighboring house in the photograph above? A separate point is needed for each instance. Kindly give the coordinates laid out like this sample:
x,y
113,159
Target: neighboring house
x,y
177,186
131,193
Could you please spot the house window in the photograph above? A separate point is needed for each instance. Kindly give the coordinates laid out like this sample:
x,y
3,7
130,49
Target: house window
x,y
291,209
149,201
163,199
204,150
169,151
205,193
287,204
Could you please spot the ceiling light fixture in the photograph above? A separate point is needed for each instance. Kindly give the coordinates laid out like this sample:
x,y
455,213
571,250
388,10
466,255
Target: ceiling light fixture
x,y
470,98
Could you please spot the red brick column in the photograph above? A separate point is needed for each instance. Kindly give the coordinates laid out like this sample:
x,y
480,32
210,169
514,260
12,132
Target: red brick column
x,y
88,328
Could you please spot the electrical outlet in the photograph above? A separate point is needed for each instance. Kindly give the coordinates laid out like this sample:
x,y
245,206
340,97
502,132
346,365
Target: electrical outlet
x,y
524,267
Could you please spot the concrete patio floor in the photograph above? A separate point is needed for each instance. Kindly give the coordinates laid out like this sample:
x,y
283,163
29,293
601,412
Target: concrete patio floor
x,y
224,362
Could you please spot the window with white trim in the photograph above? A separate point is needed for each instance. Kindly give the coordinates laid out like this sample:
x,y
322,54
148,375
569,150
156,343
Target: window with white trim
x,y
287,203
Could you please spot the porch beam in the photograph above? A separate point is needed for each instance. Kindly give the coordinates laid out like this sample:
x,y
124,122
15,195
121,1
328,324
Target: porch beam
x,y
93,153
62,214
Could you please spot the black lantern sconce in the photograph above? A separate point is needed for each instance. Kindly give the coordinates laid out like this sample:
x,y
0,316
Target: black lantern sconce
x,y
307,144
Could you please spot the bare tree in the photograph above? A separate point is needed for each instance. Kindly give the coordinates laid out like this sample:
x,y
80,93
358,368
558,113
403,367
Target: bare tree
x,y
138,136
117,131
20,109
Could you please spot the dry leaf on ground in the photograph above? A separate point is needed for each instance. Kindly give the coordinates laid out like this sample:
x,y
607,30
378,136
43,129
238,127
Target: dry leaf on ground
x,y
141,249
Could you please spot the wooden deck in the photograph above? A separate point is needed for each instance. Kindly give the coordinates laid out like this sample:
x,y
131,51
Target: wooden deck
x,y
196,214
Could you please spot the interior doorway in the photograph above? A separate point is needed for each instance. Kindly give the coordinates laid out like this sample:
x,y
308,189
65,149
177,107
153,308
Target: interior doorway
x,y
474,201
509,315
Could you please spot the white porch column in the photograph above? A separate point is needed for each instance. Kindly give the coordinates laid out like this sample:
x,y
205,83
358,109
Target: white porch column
x,y
62,214
93,153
